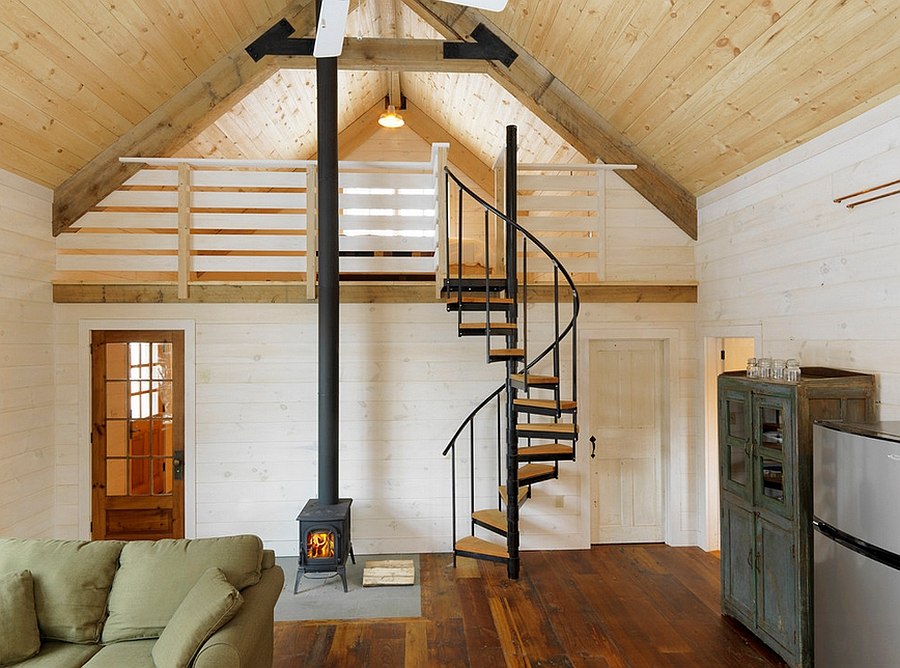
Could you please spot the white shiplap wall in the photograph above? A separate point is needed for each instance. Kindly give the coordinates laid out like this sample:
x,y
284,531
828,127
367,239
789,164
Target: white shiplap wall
x,y
407,381
779,261
26,359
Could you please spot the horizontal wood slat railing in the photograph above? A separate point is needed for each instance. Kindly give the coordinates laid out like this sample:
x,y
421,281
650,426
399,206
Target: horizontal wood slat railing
x,y
190,222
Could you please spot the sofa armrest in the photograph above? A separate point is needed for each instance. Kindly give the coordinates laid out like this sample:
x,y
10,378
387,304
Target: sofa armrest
x,y
247,640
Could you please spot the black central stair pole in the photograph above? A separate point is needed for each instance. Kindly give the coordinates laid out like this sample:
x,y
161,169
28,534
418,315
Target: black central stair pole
x,y
329,278
512,457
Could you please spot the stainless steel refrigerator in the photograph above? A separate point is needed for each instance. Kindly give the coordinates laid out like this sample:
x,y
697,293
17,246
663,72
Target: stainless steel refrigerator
x,y
856,544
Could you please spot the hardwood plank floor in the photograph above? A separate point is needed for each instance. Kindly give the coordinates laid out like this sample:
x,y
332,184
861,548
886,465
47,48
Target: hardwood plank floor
x,y
617,606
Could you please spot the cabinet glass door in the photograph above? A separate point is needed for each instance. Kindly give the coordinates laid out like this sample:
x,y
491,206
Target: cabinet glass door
x,y
735,423
772,434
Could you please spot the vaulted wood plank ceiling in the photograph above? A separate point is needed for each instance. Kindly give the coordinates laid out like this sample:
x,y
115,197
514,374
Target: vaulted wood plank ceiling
x,y
703,90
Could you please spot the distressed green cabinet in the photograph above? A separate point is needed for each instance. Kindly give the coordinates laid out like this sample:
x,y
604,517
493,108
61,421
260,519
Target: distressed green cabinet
x,y
765,473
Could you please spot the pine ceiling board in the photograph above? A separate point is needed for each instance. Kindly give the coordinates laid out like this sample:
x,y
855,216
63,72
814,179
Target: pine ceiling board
x,y
833,106
516,20
127,70
552,50
584,76
776,74
778,40
709,27
20,26
240,18
19,85
657,48
39,145
183,18
719,52
622,50
24,163
259,12
218,20
412,26
125,27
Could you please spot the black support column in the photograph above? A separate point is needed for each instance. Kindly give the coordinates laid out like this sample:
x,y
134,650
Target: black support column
x,y
512,288
329,280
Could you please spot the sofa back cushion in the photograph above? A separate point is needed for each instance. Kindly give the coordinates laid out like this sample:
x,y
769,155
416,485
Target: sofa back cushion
x,y
155,576
72,580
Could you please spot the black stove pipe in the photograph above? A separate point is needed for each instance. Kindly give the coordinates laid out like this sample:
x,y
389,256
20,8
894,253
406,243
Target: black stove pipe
x,y
329,279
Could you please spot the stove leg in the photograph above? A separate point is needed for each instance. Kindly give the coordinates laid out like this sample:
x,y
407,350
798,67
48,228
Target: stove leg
x,y
352,558
297,579
342,571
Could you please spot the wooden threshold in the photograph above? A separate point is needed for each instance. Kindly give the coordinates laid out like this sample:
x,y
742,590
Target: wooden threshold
x,y
365,292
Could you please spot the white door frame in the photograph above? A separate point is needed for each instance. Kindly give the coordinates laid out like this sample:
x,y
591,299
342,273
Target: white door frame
x,y
85,327
673,486
710,358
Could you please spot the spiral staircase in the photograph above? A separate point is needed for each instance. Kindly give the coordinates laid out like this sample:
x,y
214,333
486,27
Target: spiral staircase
x,y
535,409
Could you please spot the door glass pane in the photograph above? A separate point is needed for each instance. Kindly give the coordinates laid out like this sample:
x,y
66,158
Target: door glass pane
x,y
117,438
162,361
139,485
140,438
117,361
162,476
771,425
116,477
116,399
737,423
773,479
738,465
161,442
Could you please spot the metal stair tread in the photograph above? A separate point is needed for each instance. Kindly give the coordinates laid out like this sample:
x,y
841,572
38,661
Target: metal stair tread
x,y
492,518
478,546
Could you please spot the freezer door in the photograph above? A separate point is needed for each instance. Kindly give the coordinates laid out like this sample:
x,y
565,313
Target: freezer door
x,y
856,604
856,485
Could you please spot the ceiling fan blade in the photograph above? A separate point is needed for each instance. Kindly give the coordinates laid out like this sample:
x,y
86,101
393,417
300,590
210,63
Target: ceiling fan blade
x,y
489,5
331,27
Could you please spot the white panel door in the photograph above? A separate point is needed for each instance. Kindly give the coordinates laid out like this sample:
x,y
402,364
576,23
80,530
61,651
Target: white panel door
x,y
626,413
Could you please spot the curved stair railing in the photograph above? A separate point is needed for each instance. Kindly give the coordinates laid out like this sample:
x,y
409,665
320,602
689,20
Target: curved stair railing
x,y
550,422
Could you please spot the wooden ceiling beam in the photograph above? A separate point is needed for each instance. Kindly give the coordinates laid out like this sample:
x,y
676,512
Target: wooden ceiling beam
x,y
555,104
432,131
175,121
407,55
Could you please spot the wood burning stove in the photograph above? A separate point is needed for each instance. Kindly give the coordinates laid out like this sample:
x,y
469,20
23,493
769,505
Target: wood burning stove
x,y
324,539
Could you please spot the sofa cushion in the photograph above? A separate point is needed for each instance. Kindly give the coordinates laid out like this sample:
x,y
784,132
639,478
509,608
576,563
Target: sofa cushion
x,y
209,605
134,654
55,654
71,583
155,576
19,635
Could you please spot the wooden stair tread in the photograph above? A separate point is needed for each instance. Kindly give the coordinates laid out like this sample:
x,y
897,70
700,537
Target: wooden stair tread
x,y
530,471
507,352
476,545
561,428
492,517
549,450
523,494
481,325
545,404
534,379
476,299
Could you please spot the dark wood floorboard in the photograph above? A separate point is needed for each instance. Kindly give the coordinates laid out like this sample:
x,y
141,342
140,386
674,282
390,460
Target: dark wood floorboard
x,y
616,606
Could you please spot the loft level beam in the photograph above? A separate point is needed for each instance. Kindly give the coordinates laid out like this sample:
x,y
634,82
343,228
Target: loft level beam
x,y
166,129
377,53
555,104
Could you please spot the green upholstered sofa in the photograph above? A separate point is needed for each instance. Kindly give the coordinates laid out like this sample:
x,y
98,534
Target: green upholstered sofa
x,y
205,602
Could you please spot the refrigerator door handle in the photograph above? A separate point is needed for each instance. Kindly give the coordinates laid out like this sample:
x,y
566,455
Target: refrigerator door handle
x,y
857,545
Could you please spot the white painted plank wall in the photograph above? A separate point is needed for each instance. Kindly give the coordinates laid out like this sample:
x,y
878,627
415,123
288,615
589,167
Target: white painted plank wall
x,y
821,280
26,360
407,381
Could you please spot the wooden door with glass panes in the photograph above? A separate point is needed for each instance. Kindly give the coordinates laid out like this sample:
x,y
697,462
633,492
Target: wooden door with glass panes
x,y
137,435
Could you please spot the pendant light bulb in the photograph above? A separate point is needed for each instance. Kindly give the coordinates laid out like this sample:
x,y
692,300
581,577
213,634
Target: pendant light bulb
x,y
390,118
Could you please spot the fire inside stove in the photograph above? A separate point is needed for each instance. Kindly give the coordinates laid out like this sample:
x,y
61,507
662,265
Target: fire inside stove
x,y
320,545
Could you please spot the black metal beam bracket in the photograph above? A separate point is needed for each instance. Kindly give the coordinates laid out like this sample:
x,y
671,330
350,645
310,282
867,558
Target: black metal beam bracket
x,y
487,46
277,41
